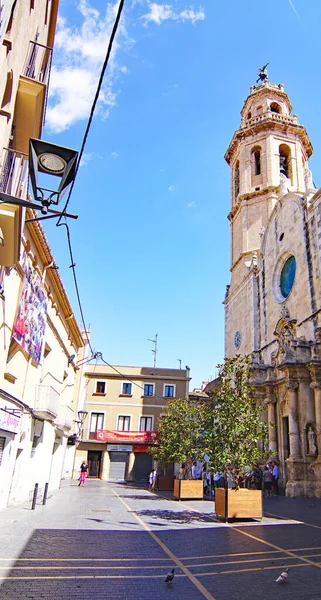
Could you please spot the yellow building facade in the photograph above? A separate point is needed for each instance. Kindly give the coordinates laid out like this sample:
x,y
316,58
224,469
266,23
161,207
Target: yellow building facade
x,y
124,404
39,336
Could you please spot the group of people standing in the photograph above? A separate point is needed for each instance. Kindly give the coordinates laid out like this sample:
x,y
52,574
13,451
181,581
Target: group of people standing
x,y
254,478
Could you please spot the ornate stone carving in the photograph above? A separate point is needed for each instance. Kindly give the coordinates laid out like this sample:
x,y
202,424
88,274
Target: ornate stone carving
x,y
311,440
285,334
284,184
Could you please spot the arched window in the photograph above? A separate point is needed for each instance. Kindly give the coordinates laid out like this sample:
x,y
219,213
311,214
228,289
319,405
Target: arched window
x,y
256,155
285,161
236,180
275,107
249,115
257,162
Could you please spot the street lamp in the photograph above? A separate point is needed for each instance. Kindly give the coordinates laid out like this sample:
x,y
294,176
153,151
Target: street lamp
x,y
82,414
49,159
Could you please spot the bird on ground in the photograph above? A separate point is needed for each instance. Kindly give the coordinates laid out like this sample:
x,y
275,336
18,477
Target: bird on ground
x,y
170,576
283,578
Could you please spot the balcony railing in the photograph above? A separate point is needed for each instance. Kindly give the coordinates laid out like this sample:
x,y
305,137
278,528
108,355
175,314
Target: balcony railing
x,y
46,402
38,66
269,116
14,173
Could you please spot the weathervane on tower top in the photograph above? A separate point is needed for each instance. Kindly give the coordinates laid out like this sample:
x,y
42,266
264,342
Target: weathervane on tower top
x,y
263,74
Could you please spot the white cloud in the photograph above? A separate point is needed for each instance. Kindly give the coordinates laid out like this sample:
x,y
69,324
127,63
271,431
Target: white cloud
x,y
114,154
171,188
85,159
164,12
79,55
191,204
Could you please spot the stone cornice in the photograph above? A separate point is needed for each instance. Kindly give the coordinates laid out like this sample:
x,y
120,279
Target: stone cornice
x,y
268,122
252,196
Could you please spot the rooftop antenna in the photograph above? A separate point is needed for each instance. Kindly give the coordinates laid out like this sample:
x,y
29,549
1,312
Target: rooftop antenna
x,y
180,362
154,351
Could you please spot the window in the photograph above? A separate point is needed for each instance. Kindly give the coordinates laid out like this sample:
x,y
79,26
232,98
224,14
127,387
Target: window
x,y
287,276
96,422
146,424
123,423
257,162
126,389
149,389
101,387
169,391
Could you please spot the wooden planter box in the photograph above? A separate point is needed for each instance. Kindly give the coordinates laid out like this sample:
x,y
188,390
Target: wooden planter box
x,y
188,488
238,504
165,482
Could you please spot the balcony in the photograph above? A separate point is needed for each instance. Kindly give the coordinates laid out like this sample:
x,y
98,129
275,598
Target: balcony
x,y
269,116
13,181
46,402
32,95
65,418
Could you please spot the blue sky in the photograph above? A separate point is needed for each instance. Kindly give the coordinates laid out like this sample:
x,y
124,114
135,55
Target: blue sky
x,y
151,244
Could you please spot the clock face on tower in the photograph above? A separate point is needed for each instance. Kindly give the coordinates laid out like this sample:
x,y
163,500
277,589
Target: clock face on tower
x,y
237,339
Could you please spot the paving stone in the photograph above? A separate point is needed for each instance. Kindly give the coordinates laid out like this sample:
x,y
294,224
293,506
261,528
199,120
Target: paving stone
x,y
75,549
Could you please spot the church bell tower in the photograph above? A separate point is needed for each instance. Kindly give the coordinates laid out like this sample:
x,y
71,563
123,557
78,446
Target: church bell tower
x,y
268,156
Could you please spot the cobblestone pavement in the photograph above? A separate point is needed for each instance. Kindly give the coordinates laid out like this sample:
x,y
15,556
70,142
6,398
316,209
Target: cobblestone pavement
x,y
115,541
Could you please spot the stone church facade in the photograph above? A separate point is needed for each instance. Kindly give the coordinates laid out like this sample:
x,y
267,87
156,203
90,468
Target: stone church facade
x,y
273,302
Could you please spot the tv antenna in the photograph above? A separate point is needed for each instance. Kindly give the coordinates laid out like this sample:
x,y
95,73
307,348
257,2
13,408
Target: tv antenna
x,y
154,350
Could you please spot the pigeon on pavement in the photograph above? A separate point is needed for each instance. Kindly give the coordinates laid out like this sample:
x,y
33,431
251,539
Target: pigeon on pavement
x,y
170,576
283,577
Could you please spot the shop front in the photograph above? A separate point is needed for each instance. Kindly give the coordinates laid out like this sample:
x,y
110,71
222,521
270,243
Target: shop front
x,y
128,456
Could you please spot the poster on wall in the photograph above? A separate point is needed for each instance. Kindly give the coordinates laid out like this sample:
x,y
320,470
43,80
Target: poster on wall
x,y
30,324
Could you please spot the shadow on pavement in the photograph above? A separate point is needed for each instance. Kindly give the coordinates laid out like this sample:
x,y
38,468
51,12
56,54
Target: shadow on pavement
x,y
184,516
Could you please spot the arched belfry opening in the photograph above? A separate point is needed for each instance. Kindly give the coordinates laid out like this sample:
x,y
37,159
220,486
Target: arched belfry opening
x,y
275,108
256,165
285,162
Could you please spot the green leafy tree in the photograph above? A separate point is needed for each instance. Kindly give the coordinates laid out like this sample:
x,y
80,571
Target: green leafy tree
x,y
182,431
238,433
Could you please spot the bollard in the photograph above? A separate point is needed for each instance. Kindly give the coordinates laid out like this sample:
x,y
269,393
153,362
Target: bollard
x,y
34,499
45,494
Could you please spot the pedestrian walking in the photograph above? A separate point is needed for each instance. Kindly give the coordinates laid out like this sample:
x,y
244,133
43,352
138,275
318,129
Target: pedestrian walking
x,y
151,479
155,481
275,480
267,478
83,473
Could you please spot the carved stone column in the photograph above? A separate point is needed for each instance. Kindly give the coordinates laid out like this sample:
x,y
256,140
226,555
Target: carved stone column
x,y
294,433
273,444
316,386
